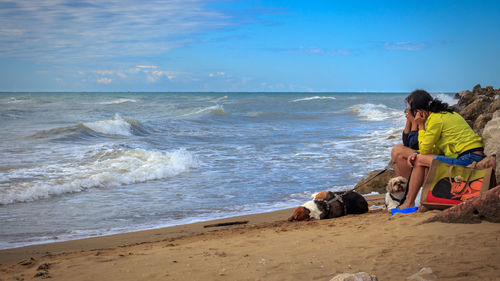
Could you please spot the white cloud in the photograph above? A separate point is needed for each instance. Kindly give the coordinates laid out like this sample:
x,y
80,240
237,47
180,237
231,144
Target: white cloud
x,y
412,46
105,72
121,75
147,66
217,74
70,30
404,46
104,80
157,74
319,51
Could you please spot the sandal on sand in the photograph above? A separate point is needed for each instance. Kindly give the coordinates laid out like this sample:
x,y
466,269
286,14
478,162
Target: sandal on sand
x,y
404,211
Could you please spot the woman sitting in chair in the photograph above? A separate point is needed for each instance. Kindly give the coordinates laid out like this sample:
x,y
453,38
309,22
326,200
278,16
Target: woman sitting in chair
x,y
443,135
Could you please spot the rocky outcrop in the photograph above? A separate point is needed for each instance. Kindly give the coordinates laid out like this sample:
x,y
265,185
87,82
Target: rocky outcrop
x,y
484,207
481,109
477,107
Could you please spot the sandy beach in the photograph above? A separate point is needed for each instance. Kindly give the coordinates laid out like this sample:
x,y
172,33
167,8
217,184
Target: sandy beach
x,y
270,248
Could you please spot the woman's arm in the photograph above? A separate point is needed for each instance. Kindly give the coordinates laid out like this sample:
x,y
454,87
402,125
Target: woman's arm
x,y
429,135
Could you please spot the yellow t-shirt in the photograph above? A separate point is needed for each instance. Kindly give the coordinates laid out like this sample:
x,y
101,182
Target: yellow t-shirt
x,y
447,134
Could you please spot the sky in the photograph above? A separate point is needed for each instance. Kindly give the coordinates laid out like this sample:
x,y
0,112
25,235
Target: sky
x,y
248,46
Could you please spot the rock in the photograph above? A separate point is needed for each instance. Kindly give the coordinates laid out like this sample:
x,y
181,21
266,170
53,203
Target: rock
x,y
480,122
491,134
489,91
360,276
494,106
464,99
486,206
375,181
476,108
476,89
491,139
425,274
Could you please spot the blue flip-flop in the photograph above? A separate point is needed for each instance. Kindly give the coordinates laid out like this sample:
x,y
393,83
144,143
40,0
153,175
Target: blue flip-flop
x,y
404,211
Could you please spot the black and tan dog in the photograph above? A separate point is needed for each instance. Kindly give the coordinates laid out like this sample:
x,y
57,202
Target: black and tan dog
x,y
327,205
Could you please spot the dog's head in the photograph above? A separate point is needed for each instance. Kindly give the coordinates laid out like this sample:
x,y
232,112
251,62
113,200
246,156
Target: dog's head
x,y
397,184
300,214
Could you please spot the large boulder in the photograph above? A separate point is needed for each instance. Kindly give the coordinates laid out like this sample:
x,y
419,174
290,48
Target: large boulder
x,y
495,105
472,111
480,122
491,140
464,99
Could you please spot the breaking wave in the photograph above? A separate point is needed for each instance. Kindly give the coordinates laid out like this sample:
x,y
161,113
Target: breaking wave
x,y
200,111
106,168
377,112
314,98
446,98
116,126
118,101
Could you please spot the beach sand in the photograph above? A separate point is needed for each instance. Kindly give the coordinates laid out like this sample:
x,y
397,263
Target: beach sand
x,y
270,248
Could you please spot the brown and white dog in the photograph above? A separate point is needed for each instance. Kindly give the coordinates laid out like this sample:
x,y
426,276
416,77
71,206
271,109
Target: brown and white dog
x,y
327,205
395,188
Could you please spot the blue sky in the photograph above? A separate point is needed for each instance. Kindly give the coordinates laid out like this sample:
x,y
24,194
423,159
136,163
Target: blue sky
x,y
191,45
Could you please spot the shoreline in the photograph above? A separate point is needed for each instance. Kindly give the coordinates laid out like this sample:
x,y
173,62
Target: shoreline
x,y
12,255
270,248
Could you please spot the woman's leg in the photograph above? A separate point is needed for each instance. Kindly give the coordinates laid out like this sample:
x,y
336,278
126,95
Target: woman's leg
x,y
399,156
422,163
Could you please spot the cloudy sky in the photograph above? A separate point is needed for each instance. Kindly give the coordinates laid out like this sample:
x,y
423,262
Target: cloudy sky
x,y
191,45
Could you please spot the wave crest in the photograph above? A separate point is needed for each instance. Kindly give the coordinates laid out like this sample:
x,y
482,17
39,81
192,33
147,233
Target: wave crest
x,y
119,101
447,99
115,126
107,168
214,109
314,98
376,112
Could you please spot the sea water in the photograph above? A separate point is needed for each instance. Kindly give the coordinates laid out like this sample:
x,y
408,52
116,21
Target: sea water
x,y
76,165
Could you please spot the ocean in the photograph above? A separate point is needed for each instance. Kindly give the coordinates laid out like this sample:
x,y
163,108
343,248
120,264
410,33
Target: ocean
x,y
76,165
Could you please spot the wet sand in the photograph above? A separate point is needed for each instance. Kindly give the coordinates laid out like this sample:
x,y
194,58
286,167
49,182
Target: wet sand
x,y
270,248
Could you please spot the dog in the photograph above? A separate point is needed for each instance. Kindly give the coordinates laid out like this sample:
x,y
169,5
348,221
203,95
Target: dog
x,y
327,205
396,188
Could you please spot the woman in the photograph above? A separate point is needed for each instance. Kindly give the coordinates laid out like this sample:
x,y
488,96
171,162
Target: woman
x,y
442,135
401,152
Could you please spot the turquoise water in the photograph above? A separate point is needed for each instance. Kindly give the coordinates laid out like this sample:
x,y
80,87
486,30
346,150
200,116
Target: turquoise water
x,y
77,165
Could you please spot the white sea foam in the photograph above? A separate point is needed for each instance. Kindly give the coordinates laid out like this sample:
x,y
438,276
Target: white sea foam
x,y
107,168
314,98
376,112
13,100
450,100
114,126
214,109
118,101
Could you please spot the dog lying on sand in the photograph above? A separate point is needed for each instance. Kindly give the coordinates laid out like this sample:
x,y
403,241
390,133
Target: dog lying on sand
x,y
395,188
327,205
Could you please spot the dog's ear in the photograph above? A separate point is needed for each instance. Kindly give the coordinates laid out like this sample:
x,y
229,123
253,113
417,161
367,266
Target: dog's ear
x,y
388,187
298,214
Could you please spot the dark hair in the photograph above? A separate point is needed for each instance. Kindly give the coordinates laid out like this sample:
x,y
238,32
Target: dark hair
x,y
420,99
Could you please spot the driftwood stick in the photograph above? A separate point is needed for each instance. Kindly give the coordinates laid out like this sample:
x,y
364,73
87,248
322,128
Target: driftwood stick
x,y
225,223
